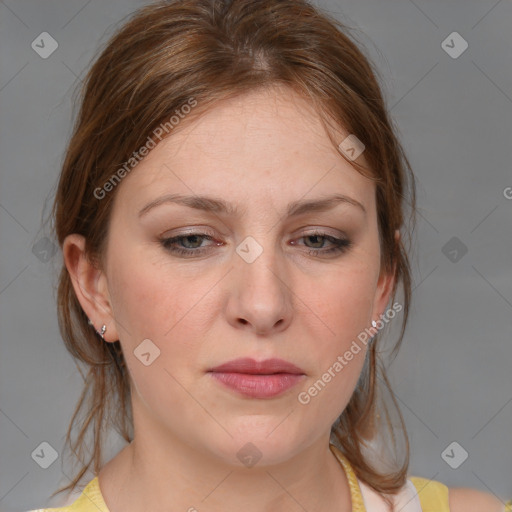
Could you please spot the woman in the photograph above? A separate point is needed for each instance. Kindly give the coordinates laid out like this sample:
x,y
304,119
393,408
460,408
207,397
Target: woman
x,y
231,212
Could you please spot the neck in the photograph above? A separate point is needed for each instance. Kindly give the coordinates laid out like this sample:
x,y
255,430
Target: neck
x,y
149,474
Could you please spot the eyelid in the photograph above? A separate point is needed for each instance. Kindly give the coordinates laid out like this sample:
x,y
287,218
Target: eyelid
x,y
301,232
189,230
322,231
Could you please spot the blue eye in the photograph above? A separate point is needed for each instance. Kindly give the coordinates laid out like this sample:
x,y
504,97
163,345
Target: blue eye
x,y
190,245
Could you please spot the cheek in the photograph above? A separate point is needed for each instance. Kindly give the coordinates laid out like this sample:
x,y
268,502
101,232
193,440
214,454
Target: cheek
x,y
167,306
148,299
152,304
344,302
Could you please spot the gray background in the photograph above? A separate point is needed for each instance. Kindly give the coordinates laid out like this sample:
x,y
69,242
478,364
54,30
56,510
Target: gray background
x,y
454,115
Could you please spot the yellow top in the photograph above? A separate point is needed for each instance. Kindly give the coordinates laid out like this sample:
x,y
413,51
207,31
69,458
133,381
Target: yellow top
x,y
433,495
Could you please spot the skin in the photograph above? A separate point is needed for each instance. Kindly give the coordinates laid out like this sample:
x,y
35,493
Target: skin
x,y
259,151
470,500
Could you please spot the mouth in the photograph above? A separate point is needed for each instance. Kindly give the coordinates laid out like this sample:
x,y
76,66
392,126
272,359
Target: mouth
x,y
258,379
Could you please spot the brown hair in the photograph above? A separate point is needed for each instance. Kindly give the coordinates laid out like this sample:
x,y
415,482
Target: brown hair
x,y
210,50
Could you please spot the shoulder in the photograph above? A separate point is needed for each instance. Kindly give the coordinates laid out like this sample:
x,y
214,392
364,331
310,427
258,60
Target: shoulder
x,y
470,500
436,496
89,500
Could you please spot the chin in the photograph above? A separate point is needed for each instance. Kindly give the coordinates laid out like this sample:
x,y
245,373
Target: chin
x,y
269,444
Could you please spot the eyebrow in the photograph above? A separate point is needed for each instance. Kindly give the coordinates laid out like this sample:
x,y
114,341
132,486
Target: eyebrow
x,y
212,204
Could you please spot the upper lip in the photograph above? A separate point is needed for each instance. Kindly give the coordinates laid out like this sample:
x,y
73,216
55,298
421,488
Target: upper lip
x,y
251,366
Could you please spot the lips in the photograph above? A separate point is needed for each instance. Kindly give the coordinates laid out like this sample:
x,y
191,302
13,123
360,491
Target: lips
x,y
253,367
258,379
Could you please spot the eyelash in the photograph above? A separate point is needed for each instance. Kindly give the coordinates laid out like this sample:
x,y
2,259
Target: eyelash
x,y
341,245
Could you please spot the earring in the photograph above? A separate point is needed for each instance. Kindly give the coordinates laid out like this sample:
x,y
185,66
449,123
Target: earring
x,y
374,325
103,329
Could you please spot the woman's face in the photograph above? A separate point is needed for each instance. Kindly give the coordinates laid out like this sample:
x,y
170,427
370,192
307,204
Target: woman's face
x,y
240,267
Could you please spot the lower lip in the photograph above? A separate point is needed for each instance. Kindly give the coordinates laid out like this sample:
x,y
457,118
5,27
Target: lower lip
x,y
258,386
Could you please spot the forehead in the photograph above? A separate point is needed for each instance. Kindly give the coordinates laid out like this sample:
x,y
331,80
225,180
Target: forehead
x,y
267,145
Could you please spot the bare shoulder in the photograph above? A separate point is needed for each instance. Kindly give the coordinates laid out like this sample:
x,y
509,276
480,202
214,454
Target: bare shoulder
x,y
470,500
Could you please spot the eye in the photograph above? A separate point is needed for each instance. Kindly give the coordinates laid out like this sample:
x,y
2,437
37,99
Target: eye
x,y
318,239
188,245
191,244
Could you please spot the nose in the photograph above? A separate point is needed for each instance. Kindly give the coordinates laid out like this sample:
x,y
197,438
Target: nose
x,y
261,296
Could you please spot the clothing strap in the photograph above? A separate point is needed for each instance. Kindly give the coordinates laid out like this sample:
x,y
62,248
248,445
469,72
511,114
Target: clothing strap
x,y
366,499
406,500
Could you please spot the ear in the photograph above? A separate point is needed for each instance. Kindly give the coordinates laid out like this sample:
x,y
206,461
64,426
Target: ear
x,y
90,285
385,286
